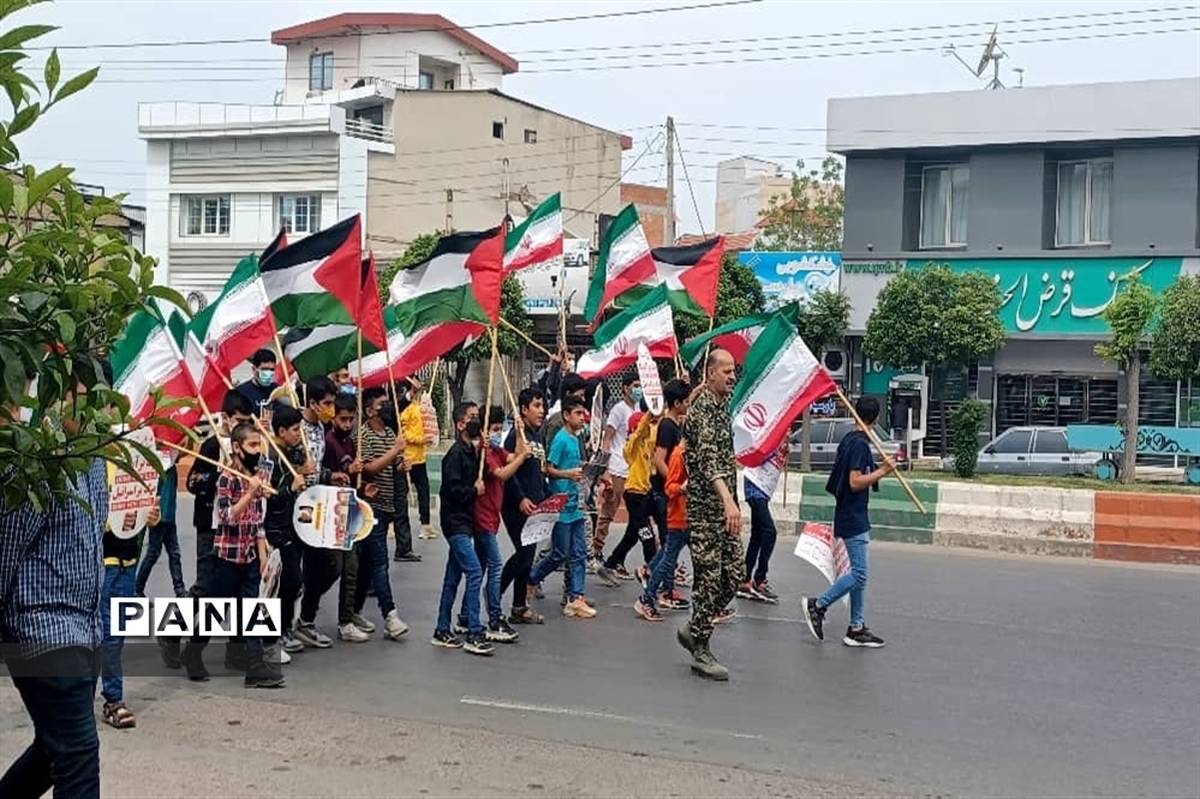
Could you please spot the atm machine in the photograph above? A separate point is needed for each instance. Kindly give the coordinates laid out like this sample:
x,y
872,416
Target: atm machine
x,y
908,409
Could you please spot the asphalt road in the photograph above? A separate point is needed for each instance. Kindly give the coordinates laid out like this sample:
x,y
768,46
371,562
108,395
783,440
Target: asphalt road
x,y
1003,675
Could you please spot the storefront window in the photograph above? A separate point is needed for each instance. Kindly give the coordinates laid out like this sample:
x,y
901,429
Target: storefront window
x,y
1054,401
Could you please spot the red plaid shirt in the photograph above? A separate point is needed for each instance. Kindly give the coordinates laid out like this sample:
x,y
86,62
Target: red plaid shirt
x,y
235,541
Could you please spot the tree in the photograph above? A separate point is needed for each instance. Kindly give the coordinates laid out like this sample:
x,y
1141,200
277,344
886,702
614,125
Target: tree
x,y
1175,345
936,317
823,321
459,359
966,420
738,294
69,282
1129,316
809,216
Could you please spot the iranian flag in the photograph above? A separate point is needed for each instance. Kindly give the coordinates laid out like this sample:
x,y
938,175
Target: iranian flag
x,y
317,280
690,273
736,336
537,240
408,353
780,378
624,262
228,331
459,282
146,362
649,322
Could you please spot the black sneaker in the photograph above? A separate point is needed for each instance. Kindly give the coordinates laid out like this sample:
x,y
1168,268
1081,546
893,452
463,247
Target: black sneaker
x,y
460,626
265,680
407,557
169,649
502,632
479,645
765,592
862,637
815,617
446,640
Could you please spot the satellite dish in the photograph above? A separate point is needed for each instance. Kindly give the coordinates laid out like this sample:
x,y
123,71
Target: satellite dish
x,y
988,52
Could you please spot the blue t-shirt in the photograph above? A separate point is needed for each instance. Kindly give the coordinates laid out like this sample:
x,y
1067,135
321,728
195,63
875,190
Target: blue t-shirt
x,y
850,516
565,455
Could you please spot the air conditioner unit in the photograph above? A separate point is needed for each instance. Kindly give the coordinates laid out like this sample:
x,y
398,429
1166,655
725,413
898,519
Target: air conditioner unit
x,y
834,360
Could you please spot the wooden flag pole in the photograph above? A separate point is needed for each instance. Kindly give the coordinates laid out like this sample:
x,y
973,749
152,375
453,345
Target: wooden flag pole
x,y
487,405
707,348
879,448
221,466
525,336
287,379
362,423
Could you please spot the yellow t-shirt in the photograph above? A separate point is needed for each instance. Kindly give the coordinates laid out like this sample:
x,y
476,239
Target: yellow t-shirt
x,y
639,454
412,427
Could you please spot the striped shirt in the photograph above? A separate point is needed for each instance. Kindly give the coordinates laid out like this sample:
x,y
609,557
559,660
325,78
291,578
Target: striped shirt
x,y
374,446
51,572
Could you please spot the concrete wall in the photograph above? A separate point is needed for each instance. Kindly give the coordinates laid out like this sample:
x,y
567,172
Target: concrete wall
x,y
1009,518
651,202
1004,216
444,141
874,222
1154,198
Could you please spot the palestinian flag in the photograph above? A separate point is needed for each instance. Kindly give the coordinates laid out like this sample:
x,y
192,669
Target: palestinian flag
x,y
317,280
780,378
369,313
409,353
735,336
316,351
459,282
228,331
146,361
537,240
277,244
690,273
649,322
624,262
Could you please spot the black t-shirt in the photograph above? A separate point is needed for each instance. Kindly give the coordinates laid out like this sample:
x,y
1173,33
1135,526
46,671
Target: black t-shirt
x,y
668,438
202,483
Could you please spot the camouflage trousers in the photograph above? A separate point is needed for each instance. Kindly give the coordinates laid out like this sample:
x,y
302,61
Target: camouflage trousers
x,y
719,564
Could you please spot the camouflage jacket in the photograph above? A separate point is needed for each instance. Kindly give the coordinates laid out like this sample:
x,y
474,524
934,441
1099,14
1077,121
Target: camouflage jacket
x,y
708,434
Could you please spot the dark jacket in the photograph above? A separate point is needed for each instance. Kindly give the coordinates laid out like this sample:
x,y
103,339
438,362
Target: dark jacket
x,y
278,520
530,480
460,469
202,484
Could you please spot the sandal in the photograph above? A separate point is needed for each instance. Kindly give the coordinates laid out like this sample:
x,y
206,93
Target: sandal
x,y
527,616
116,715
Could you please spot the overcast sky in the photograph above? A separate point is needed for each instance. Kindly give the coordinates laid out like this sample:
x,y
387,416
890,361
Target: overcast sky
x,y
97,131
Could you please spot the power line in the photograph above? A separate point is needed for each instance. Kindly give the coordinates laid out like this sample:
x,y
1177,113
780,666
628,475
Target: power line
x,y
433,29
691,190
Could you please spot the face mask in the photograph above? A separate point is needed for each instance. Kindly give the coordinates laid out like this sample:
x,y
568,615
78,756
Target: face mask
x,y
266,377
325,415
251,461
473,429
636,394
347,388
496,440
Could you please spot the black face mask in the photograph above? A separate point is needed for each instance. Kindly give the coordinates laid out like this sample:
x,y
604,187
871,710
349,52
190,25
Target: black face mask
x,y
251,461
474,428
387,415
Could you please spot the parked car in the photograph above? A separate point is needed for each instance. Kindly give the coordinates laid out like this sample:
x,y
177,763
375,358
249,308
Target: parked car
x,y
828,433
1032,450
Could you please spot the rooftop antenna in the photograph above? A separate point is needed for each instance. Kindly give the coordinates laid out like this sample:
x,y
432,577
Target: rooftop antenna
x,y
992,53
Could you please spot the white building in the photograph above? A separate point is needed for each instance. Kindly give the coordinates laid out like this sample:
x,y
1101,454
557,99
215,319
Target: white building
x,y
744,188
399,117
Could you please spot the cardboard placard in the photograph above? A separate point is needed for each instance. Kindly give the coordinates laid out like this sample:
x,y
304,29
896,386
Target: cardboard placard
x,y
597,421
268,586
332,517
819,546
129,501
652,390
540,524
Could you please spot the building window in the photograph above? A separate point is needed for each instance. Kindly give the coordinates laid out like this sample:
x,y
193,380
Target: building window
x,y
320,72
944,206
448,85
300,213
497,130
425,81
530,136
1084,202
206,216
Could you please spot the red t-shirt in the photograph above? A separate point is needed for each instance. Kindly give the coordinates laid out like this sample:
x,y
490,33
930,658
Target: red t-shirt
x,y
487,507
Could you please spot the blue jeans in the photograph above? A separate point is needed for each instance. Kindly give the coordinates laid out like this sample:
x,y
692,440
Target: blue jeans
x,y
118,582
487,551
462,561
58,690
662,568
162,535
762,540
853,582
570,547
372,554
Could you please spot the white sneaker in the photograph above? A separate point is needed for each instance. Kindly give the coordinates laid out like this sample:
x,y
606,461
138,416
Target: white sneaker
x,y
351,634
394,626
284,657
428,532
361,622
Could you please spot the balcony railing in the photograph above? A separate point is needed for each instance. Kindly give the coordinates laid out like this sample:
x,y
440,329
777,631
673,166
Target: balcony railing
x,y
219,116
365,129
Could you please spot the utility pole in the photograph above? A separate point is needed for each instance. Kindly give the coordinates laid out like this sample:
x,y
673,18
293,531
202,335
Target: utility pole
x,y
669,225
449,210
507,188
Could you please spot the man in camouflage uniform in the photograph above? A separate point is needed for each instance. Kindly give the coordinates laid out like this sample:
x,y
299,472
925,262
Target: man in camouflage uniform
x,y
714,520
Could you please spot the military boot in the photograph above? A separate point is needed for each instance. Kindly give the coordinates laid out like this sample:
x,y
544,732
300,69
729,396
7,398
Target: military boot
x,y
684,636
704,664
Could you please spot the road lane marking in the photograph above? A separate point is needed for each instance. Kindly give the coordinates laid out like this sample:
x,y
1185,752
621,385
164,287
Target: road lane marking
x,y
599,715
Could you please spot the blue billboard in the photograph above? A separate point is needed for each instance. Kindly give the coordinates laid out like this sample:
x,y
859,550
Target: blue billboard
x,y
788,276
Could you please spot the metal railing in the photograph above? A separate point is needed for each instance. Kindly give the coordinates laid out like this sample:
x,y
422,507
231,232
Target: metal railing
x,y
365,129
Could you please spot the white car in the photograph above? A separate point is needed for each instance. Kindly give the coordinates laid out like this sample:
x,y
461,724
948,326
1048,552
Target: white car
x,y
1032,450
